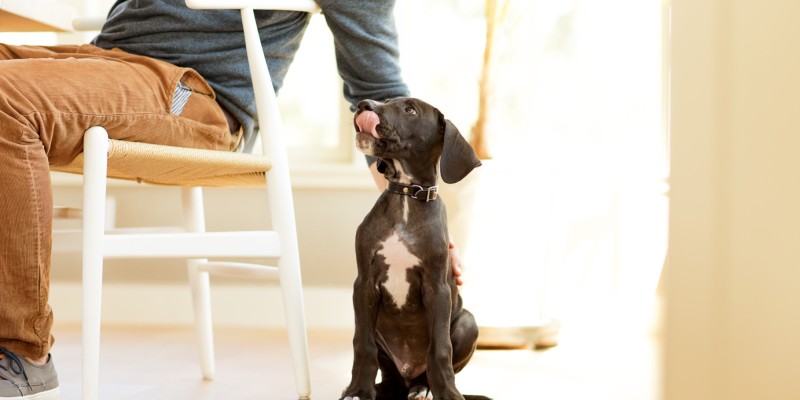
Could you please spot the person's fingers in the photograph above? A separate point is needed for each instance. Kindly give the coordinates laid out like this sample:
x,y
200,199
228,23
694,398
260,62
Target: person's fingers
x,y
455,262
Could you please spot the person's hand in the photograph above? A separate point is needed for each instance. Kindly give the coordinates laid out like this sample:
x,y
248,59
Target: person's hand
x,y
455,262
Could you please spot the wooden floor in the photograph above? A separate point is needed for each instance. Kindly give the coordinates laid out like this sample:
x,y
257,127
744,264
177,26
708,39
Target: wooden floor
x,y
161,363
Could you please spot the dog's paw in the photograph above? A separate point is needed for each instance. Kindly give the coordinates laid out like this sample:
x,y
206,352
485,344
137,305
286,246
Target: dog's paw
x,y
420,393
356,395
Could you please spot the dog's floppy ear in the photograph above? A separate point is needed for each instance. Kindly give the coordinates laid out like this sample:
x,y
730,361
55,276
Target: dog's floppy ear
x,y
385,168
381,166
458,158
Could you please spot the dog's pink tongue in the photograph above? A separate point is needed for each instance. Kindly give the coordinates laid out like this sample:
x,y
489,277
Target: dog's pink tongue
x,y
367,121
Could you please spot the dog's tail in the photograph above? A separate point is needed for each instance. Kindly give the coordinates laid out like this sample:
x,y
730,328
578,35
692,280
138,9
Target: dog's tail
x,y
476,397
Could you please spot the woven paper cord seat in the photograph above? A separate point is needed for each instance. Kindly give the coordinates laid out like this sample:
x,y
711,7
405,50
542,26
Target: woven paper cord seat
x,y
178,166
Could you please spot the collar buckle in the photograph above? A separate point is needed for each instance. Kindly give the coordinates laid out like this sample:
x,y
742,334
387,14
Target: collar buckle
x,y
431,193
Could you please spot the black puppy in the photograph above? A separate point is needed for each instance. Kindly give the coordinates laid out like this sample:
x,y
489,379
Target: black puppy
x,y
409,319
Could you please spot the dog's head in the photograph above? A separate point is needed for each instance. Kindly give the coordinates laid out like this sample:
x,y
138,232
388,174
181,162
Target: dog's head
x,y
416,135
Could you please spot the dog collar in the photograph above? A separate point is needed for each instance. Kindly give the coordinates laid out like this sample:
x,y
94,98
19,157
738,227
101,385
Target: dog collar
x,y
418,192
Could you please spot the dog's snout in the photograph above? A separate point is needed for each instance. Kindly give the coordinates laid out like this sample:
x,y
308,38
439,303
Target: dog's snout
x,y
367,105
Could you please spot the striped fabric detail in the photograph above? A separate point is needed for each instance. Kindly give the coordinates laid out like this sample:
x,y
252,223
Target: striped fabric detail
x,y
180,98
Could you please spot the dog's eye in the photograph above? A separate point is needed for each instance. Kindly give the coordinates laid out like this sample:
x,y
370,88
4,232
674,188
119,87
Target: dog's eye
x,y
411,110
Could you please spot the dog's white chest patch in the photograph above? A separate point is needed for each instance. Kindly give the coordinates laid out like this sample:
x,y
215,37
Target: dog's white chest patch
x,y
399,259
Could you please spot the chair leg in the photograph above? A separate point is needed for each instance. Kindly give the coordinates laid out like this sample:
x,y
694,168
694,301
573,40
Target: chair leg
x,y
279,191
194,221
292,291
94,196
291,283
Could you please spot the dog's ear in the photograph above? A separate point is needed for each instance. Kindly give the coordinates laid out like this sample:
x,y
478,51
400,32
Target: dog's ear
x,y
381,166
458,158
385,168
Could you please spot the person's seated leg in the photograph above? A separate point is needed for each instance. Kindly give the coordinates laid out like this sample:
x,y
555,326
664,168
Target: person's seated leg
x,y
48,98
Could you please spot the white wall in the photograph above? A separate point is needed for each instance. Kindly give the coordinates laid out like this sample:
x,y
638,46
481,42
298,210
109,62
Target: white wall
x,y
734,260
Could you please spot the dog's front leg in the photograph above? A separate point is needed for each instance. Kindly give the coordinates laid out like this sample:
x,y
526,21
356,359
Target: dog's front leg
x,y
441,377
365,350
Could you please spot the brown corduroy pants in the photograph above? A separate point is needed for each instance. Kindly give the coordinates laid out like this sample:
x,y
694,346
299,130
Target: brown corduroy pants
x,y
48,97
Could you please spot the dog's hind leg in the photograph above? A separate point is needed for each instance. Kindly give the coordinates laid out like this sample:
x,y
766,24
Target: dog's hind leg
x,y
464,338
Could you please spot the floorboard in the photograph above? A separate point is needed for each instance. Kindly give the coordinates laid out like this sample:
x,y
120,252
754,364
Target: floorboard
x,y
162,363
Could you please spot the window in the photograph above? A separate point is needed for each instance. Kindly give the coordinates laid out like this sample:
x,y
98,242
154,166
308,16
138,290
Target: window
x,y
311,102
583,72
443,71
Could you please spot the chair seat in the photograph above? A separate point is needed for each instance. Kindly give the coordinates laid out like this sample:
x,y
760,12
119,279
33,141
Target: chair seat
x,y
178,166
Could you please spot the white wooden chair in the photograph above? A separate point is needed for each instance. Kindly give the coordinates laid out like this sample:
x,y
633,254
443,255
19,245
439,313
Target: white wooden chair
x,y
191,169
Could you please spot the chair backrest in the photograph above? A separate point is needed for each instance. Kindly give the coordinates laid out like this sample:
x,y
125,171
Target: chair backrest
x,y
269,118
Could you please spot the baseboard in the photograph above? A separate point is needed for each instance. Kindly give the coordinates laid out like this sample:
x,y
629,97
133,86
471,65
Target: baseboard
x,y
232,305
